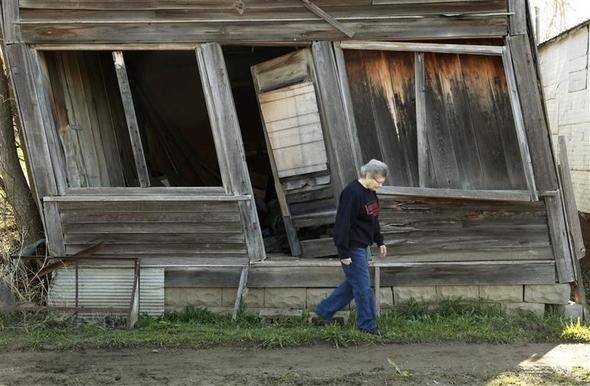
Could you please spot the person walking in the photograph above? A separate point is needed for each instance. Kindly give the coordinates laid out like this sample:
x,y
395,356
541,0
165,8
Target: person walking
x,y
356,228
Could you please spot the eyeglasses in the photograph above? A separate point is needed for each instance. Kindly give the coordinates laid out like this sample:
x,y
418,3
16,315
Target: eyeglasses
x,y
379,181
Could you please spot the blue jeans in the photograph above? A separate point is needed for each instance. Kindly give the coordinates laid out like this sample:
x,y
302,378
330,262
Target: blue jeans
x,y
357,286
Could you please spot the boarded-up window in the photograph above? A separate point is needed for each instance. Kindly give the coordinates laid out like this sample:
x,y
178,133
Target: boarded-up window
x,y
468,124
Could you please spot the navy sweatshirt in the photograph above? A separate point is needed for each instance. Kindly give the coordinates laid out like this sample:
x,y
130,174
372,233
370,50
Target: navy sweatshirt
x,y
357,222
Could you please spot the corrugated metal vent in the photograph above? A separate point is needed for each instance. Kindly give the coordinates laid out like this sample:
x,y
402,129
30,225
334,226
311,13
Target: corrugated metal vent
x,y
108,287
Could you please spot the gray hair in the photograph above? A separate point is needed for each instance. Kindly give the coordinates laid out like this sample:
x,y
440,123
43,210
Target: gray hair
x,y
374,168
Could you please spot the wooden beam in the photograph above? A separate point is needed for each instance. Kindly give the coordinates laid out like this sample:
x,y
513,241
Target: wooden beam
x,y
33,124
224,123
422,47
573,221
535,121
134,136
53,229
10,18
164,191
492,195
242,288
338,134
559,239
146,198
327,17
517,19
421,135
519,124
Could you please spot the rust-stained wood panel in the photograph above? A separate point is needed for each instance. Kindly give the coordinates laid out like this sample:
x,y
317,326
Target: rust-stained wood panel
x,y
383,98
166,229
429,229
469,124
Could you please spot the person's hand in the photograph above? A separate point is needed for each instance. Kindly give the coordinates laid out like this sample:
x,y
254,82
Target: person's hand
x,y
382,251
346,261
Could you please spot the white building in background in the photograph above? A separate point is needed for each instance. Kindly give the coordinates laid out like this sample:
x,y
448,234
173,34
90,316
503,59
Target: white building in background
x,y
564,61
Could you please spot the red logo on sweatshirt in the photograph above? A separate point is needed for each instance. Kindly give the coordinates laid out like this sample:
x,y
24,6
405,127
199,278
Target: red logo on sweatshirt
x,y
372,208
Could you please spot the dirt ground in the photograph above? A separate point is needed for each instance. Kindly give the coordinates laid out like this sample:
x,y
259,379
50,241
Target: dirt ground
x,y
434,364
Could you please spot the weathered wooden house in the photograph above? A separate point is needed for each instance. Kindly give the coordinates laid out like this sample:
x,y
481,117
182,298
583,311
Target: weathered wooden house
x,y
211,140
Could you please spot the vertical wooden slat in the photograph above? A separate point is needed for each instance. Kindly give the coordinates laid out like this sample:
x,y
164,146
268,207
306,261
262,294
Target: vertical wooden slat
x,y
10,17
347,101
517,19
32,123
533,115
337,131
421,138
53,229
519,124
224,123
570,203
559,239
127,98
42,89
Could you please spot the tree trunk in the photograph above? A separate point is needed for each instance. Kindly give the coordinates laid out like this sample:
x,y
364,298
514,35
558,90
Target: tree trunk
x,y
14,183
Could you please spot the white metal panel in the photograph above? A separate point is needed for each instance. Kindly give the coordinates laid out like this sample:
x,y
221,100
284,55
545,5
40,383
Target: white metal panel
x,y
108,287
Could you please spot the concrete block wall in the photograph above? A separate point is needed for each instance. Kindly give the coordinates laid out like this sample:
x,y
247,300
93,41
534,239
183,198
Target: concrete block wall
x,y
511,297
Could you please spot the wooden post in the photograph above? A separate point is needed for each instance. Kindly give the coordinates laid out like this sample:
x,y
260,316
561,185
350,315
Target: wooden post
x,y
53,229
337,131
377,285
242,287
33,122
559,239
134,137
421,138
230,149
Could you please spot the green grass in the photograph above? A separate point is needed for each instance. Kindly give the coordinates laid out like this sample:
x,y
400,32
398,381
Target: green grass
x,y
452,321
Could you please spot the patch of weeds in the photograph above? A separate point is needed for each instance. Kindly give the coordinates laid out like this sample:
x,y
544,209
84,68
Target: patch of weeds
x,y
576,332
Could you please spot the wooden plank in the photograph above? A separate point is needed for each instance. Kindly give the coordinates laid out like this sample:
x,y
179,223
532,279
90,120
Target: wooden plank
x,y
308,275
283,71
140,205
421,138
534,118
276,31
53,229
242,287
337,131
195,250
519,123
222,111
143,198
347,102
559,239
42,93
377,286
327,17
146,238
491,195
134,227
422,47
32,123
129,191
318,248
573,221
134,136
517,19
10,18
81,217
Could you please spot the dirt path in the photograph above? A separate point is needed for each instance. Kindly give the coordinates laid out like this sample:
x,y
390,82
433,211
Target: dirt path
x,y
419,364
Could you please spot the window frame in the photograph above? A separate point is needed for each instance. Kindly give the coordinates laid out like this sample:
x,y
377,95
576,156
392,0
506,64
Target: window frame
x,y
531,194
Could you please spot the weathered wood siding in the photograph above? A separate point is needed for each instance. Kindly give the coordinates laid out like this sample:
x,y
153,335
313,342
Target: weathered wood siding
x,y
154,229
115,21
469,124
442,230
383,96
89,120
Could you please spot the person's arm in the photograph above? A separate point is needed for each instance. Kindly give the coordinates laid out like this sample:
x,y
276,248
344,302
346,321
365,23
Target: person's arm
x,y
347,211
